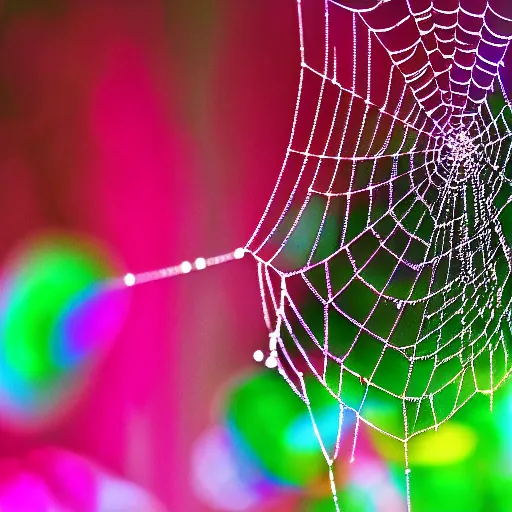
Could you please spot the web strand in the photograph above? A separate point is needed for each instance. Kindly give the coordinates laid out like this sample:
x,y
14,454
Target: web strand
x,y
384,252
185,267
390,210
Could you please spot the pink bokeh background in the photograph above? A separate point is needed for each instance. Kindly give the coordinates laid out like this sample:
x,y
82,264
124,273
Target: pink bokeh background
x,y
159,128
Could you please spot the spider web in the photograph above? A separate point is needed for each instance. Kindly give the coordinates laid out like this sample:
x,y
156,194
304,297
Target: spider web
x,y
391,218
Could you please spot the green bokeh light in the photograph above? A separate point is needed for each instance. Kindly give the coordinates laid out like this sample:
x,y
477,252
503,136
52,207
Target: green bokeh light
x,y
56,311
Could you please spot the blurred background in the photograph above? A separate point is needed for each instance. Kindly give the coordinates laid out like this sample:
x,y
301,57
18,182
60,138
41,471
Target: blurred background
x,y
135,135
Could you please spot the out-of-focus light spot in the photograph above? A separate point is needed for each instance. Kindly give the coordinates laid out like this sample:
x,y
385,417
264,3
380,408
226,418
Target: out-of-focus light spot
x,y
52,479
116,494
369,473
25,491
260,411
222,477
58,313
301,436
452,443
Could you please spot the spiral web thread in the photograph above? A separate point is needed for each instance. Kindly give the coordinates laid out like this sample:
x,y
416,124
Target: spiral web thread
x,y
400,147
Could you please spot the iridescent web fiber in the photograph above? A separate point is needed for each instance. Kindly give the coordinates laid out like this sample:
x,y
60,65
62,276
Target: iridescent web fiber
x,y
399,163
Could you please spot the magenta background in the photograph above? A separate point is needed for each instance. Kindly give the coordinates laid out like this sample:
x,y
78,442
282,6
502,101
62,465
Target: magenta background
x,y
159,128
